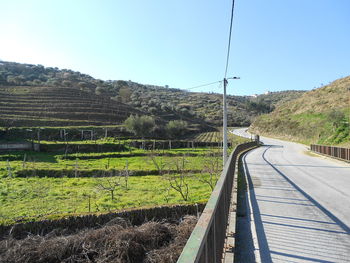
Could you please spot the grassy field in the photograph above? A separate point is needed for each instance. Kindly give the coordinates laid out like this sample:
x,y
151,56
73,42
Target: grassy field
x,y
39,185
29,199
32,156
52,161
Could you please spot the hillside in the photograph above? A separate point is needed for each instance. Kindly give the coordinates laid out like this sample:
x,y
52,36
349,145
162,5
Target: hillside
x,y
318,116
58,106
204,109
206,106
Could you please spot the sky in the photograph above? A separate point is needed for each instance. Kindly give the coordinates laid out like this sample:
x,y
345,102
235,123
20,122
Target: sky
x,y
276,44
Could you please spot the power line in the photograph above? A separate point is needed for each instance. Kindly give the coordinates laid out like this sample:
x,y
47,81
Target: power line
x,y
204,85
228,54
219,87
229,38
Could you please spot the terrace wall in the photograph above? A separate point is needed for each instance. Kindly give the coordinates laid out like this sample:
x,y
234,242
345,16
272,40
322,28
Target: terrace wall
x,y
19,146
73,224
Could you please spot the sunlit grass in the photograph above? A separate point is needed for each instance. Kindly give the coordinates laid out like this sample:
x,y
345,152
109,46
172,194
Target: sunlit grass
x,y
35,198
52,161
27,199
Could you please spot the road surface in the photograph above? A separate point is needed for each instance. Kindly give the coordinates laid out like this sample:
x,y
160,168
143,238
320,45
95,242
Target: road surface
x,y
298,204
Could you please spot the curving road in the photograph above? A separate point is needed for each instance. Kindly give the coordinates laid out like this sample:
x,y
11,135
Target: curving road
x,y
298,204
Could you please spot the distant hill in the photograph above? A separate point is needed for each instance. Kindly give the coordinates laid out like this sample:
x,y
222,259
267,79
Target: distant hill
x,y
318,116
201,109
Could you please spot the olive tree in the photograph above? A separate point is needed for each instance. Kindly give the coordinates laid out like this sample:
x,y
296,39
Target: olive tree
x,y
176,128
140,125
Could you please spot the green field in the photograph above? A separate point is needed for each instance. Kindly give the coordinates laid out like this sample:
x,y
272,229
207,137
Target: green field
x,y
101,161
41,185
28,199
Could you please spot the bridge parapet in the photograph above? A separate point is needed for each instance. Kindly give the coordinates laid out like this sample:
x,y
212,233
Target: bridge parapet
x,y
206,243
337,152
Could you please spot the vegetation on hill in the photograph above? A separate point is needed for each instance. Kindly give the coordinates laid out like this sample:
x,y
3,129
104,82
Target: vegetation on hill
x,y
169,103
75,91
318,116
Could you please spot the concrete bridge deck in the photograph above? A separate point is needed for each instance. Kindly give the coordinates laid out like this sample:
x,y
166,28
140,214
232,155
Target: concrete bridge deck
x,y
298,205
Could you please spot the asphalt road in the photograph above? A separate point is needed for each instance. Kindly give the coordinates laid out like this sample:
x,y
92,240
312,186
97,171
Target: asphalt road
x,y
298,204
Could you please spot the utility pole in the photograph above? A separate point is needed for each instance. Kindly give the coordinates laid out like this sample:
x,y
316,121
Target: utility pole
x,y
224,127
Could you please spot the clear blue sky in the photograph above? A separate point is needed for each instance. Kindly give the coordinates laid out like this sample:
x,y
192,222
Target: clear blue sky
x,y
276,44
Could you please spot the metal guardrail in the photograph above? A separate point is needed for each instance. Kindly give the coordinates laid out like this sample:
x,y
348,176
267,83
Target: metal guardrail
x,y
206,242
337,152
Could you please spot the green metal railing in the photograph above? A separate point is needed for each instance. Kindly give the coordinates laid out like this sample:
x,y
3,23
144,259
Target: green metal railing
x,y
206,242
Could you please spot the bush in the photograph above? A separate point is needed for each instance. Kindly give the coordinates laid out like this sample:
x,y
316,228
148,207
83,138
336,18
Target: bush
x,y
140,125
176,128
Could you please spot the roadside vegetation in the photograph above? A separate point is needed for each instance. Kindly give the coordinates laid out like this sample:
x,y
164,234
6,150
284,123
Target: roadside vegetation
x,y
319,116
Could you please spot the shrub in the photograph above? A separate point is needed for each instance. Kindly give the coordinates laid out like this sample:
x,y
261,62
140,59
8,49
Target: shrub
x,y
140,125
176,128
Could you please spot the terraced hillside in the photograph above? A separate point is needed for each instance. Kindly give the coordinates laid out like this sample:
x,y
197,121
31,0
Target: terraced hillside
x,y
58,106
201,109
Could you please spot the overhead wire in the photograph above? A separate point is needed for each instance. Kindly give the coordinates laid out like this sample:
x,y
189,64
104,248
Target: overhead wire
x,y
204,85
229,39
227,57
219,87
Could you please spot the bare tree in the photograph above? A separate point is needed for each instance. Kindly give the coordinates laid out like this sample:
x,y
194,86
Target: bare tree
x,y
110,184
180,185
159,163
125,174
211,167
88,196
178,181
